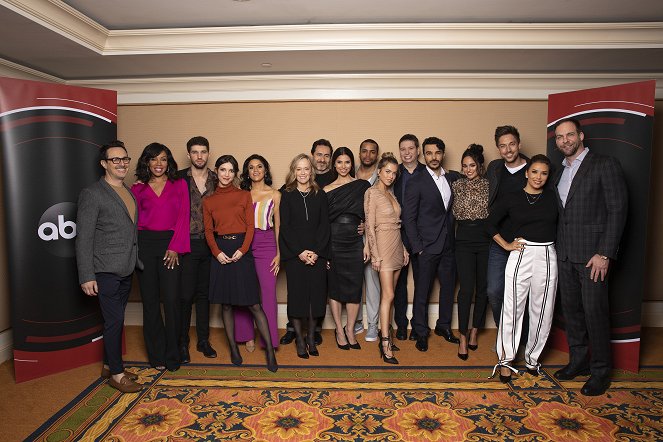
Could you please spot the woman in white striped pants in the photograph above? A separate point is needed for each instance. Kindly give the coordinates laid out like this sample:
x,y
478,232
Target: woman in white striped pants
x,y
531,271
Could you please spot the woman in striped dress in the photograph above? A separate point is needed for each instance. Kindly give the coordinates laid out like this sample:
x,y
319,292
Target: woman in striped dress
x,y
257,178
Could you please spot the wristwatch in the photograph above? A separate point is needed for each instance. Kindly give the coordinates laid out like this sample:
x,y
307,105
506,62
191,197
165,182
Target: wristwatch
x,y
603,257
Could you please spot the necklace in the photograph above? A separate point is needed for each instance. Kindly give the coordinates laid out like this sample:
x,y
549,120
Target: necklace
x,y
304,195
532,199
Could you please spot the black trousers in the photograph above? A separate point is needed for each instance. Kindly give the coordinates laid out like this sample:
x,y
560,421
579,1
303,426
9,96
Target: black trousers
x,y
195,289
586,309
158,283
442,266
472,262
113,296
400,293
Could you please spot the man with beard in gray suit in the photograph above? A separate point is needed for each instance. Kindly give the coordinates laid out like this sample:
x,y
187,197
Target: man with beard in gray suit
x,y
107,253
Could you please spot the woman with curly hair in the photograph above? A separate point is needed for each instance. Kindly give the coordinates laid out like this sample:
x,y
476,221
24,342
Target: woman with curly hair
x,y
163,234
257,178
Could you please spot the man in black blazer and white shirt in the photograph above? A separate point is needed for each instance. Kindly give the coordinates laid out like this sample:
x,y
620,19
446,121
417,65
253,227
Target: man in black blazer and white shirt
x,y
429,224
107,253
593,204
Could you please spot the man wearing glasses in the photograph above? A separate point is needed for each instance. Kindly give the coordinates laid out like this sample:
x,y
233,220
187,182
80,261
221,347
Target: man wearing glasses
x,y
106,255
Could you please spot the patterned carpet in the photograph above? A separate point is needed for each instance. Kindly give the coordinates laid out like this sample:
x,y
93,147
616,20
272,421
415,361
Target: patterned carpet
x,y
221,402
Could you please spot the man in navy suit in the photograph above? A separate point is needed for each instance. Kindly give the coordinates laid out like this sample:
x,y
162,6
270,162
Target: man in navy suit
x,y
593,203
429,224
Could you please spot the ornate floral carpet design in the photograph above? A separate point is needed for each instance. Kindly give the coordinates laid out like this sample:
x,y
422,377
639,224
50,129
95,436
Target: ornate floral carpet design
x,y
220,402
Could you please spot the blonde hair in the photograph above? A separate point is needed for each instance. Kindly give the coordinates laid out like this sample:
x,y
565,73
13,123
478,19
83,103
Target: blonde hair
x,y
291,178
386,158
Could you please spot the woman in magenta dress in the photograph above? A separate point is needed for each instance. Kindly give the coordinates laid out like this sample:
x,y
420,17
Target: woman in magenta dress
x,y
257,178
163,235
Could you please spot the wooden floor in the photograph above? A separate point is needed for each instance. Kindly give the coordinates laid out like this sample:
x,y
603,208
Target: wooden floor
x,y
25,406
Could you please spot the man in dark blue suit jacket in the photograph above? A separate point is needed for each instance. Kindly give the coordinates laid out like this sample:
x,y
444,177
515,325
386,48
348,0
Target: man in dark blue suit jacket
x,y
429,224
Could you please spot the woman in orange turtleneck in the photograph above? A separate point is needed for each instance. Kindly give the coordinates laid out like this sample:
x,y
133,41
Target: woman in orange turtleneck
x,y
229,225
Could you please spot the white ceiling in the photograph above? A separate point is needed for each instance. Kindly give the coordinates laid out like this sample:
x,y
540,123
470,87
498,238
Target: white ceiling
x,y
123,40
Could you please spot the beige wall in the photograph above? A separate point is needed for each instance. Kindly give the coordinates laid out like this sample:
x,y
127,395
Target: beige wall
x,y
279,130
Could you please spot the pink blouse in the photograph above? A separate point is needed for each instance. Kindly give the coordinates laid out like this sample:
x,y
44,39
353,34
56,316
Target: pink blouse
x,y
168,211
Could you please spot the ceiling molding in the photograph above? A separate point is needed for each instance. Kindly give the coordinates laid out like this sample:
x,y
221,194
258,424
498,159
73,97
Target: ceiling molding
x,y
63,19
356,87
11,69
69,22
387,36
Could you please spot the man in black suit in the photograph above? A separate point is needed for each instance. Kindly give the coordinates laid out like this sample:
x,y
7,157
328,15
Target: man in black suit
x,y
196,265
107,253
408,148
429,224
593,204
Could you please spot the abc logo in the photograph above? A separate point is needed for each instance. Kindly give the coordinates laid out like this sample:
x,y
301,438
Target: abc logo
x,y
57,229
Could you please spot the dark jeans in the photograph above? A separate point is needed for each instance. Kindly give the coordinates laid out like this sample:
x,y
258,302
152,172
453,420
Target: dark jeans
x,y
113,296
497,258
400,293
195,290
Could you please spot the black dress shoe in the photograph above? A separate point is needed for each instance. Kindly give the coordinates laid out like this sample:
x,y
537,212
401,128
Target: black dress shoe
x,y
447,334
318,337
413,335
288,337
422,343
533,371
206,349
185,357
569,372
401,334
595,386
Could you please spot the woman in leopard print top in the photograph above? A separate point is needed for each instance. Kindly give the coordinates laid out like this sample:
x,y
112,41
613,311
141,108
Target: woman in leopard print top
x,y
470,207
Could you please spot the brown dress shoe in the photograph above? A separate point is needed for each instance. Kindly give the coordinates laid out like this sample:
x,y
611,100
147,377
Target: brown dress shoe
x,y
125,385
105,373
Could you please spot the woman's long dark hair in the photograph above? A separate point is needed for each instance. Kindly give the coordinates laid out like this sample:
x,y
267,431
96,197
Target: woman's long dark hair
x,y
246,182
337,153
153,150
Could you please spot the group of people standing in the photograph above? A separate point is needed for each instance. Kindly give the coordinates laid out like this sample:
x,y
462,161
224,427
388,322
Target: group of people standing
x,y
199,236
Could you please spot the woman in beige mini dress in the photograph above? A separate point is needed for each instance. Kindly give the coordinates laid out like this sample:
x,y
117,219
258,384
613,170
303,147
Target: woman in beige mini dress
x,y
383,233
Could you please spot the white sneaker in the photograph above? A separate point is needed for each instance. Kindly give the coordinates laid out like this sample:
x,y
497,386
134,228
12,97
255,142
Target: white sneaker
x,y
372,333
359,328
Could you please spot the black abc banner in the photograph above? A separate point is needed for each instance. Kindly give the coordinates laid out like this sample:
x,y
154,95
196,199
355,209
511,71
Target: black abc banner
x,y
50,142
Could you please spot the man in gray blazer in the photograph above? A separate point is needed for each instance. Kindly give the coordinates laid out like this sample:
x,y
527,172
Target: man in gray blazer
x,y
593,203
106,254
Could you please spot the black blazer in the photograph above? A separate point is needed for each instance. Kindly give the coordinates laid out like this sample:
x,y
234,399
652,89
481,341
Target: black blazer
x,y
595,213
427,224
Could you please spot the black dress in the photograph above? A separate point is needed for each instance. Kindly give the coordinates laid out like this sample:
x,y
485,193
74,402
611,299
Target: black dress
x,y
305,226
346,212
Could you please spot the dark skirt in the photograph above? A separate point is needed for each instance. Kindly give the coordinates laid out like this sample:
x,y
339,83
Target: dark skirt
x,y
346,273
235,283
307,288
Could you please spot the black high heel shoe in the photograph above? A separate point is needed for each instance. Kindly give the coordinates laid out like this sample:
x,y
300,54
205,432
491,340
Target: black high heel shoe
x,y
271,361
472,347
235,357
393,346
463,356
385,358
344,346
354,346
312,349
301,349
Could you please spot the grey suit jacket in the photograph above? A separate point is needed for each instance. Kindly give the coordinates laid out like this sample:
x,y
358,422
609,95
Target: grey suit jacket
x,y
107,238
594,216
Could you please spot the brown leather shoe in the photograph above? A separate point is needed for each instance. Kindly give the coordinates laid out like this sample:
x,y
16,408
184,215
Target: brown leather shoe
x,y
105,373
125,385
